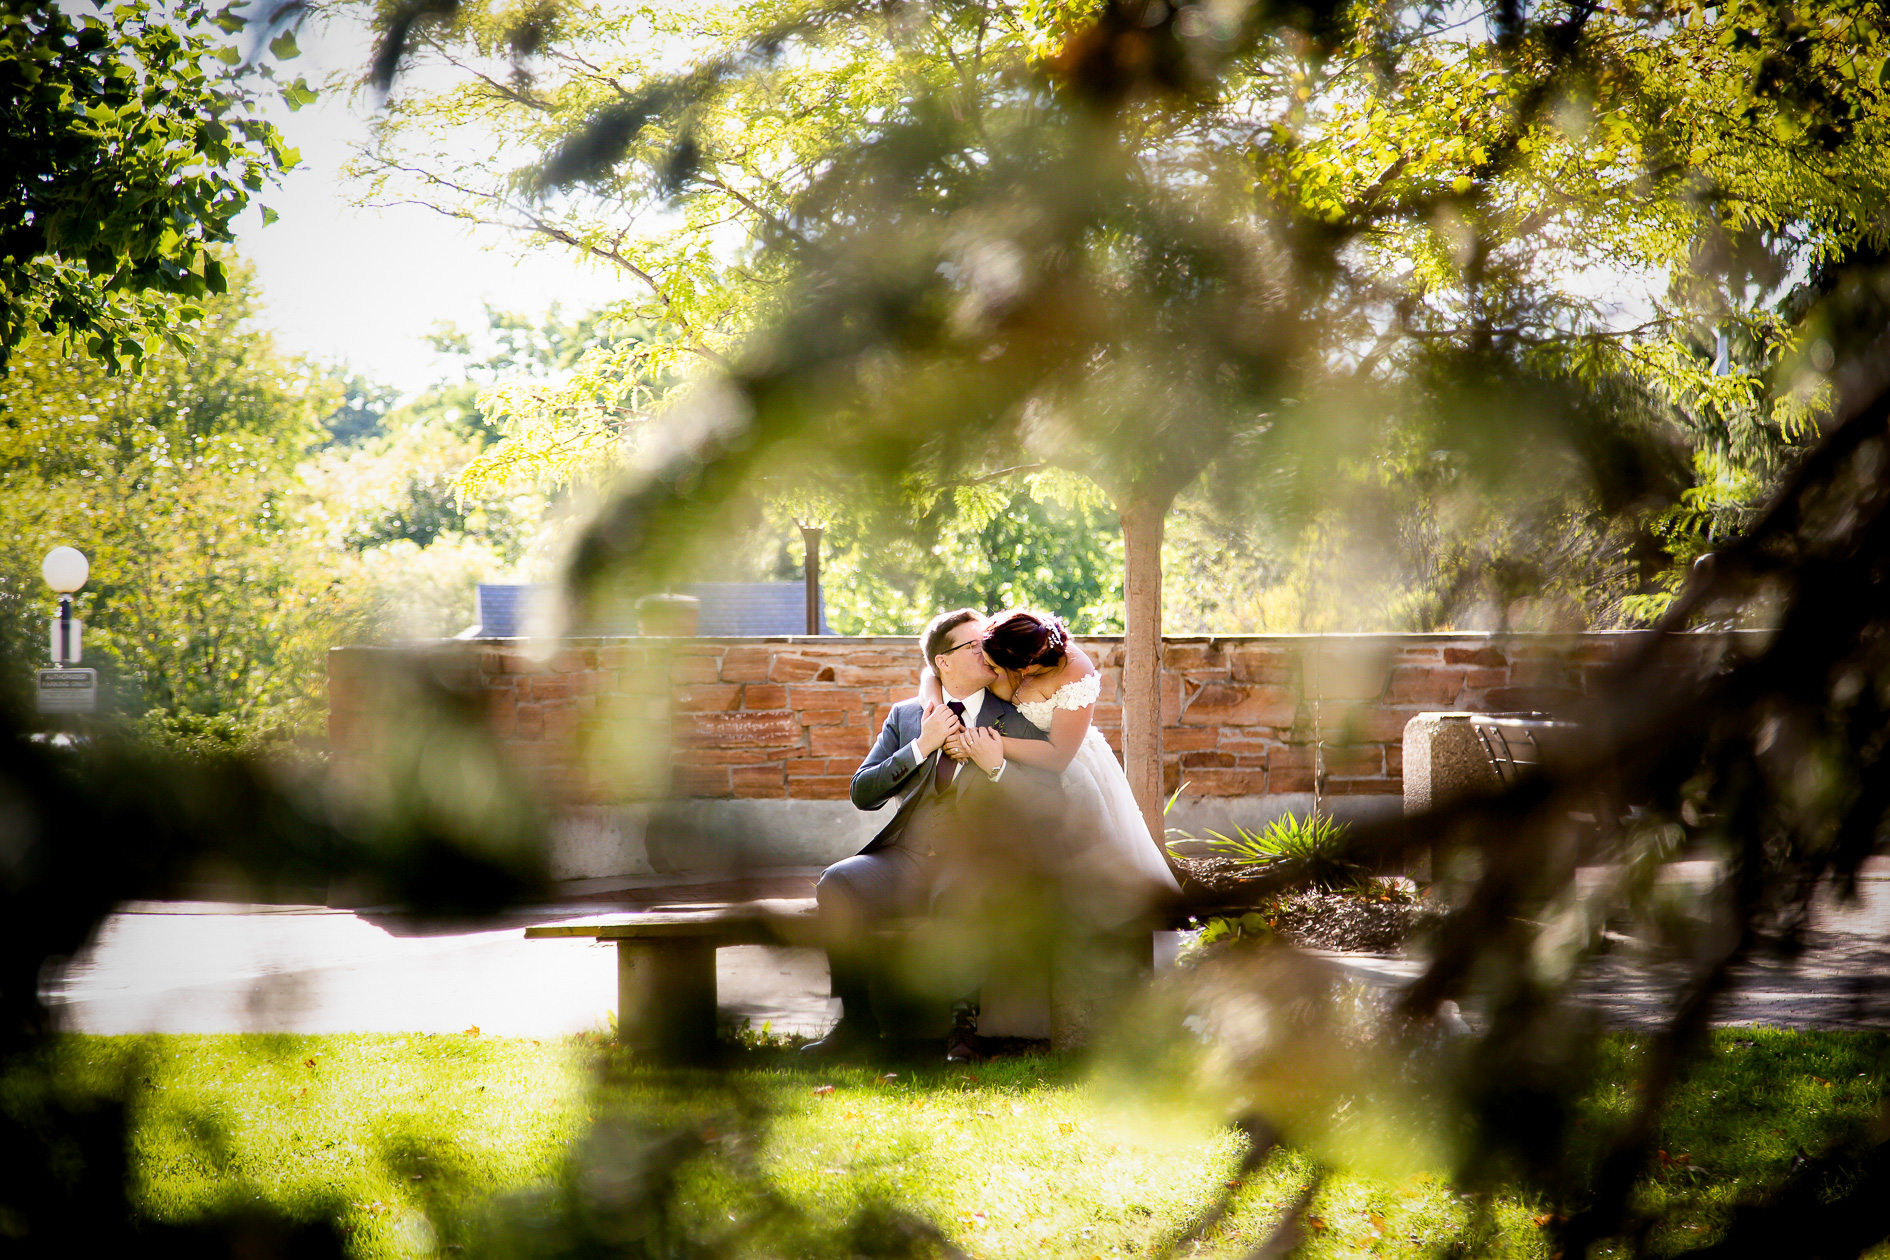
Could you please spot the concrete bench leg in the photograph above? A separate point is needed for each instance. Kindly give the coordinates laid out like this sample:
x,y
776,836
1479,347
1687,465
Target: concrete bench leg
x,y
666,997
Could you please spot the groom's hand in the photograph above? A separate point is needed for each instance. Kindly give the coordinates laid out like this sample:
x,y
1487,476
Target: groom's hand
x,y
939,725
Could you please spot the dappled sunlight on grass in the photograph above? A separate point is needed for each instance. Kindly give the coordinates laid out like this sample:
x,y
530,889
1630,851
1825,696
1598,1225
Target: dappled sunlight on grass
x,y
383,1130
423,1144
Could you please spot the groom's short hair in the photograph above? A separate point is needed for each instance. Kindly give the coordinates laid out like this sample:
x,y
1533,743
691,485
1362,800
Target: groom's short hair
x,y
937,636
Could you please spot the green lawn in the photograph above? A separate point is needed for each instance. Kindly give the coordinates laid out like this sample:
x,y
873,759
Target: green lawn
x,y
440,1143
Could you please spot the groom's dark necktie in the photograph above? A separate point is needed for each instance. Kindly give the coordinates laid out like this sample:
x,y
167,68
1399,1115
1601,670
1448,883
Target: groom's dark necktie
x,y
942,777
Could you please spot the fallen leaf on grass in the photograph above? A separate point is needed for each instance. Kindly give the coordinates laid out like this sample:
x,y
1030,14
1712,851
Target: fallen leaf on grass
x,y
1822,1081
1316,1224
1066,1129
823,1089
311,1062
473,1031
1378,1225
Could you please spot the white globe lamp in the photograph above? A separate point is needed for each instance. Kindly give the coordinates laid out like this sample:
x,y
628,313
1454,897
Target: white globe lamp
x,y
65,569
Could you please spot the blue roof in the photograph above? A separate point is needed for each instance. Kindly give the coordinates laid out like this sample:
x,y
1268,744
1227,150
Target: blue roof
x,y
727,609
753,608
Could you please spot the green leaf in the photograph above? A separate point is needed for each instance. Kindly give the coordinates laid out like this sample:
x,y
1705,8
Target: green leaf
x,y
298,94
228,56
283,48
269,216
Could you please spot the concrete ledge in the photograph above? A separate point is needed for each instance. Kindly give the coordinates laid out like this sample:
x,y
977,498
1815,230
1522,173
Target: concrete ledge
x,y
707,838
698,840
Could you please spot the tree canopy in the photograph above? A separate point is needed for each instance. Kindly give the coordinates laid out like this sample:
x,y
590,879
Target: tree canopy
x,y
133,138
1637,205
232,542
1426,182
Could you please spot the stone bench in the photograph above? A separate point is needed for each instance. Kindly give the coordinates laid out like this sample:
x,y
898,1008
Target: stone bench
x,y
666,965
666,989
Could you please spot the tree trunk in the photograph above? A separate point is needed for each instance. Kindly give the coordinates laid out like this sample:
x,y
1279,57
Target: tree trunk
x,y
1143,518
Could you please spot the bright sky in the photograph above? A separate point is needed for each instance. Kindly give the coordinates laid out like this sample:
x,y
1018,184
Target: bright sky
x,y
365,286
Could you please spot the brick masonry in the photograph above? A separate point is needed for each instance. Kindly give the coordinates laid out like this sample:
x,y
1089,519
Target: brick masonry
x,y
611,720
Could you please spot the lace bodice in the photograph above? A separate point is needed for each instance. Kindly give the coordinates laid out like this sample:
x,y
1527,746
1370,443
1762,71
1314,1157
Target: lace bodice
x,y
1079,694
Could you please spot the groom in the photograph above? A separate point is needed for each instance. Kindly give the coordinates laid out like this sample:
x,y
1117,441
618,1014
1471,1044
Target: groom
x,y
947,812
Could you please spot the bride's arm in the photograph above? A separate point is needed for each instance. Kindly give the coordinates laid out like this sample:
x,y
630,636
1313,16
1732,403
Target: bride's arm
x,y
931,695
1068,727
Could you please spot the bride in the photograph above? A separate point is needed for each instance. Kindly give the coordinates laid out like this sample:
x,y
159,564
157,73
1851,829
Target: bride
x,y
1054,685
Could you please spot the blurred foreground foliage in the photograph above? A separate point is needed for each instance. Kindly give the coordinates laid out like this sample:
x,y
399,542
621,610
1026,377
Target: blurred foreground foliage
x,y
1245,250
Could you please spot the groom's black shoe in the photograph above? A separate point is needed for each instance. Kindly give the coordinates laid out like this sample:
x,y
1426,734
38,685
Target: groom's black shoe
x,y
961,1044
848,1039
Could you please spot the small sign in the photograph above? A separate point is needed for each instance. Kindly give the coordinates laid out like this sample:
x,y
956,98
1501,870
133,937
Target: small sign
x,y
769,728
68,690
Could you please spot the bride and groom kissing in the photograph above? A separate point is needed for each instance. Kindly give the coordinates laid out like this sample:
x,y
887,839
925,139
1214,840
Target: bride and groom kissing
x,y
1012,814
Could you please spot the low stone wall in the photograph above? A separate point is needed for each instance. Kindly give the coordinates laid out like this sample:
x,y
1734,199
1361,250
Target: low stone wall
x,y
636,739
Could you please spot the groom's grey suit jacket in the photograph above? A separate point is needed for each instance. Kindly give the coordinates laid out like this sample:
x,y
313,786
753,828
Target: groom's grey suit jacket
x,y
891,772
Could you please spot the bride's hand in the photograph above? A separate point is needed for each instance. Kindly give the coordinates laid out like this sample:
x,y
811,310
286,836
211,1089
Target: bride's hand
x,y
955,746
984,745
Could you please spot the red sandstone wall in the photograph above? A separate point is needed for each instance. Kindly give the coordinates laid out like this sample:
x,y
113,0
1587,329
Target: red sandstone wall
x,y
626,718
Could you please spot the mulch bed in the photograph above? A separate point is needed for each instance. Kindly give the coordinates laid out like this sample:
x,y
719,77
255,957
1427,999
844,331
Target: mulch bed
x,y
1346,921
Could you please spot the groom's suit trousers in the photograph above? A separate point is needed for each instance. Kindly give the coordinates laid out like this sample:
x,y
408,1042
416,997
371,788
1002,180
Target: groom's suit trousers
x,y
897,880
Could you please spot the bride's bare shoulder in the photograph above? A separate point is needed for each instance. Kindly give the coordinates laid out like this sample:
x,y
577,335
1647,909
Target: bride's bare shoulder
x,y
1076,667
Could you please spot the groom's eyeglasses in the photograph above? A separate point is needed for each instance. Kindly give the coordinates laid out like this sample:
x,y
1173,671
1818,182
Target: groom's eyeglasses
x,y
962,646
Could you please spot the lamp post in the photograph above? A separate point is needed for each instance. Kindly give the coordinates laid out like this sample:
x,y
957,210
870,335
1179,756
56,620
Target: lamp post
x,y
65,570
64,689
810,539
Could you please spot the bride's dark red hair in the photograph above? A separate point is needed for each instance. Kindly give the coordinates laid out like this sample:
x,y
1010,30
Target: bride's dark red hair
x,y
1018,640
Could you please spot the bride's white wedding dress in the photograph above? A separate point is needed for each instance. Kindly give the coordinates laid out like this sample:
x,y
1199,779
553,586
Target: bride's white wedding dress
x,y
1095,779
1120,868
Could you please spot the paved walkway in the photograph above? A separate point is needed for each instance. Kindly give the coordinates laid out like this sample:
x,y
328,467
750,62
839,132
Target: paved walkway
x,y
205,967
211,967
